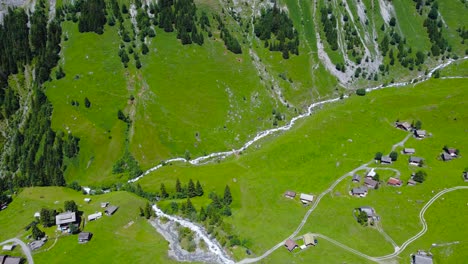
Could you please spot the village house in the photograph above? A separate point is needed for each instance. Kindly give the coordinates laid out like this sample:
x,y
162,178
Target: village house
x,y
452,152
306,198
10,260
370,183
8,247
360,191
290,194
87,200
356,178
446,157
421,258
63,220
111,210
409,151
465,176
309,239
420,133
94,216
415,161
394,182
84,237
386,160
104,204
403,125
290,244
411,182
370,212
370,174
37,214
36,244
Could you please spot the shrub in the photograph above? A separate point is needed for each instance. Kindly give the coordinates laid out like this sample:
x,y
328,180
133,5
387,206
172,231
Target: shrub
x,y
361,91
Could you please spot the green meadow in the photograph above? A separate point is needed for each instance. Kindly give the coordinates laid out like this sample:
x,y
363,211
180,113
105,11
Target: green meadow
x,y
121,238
321,148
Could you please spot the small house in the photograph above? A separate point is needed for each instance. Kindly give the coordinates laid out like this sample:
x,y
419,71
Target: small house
x,y
371,173
360,191
87,200
94,216
446,157
309,239
84,237
394,182
9,247
36,244
37,214
452,152
10,260
370,183
356,178
104,204
420,133
386,160
290,244
111,210
409,151
403,125
421,258
63,220
415,161
465,176
290,194
411,182
306,198
370,212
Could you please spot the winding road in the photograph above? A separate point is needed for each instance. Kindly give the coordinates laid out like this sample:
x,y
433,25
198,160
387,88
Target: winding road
x,y
24,247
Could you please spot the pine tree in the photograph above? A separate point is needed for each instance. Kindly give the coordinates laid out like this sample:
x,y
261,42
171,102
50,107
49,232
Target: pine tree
x,y
178,187
147,210
190,209
198,189
36,232
227,196
142,212
191,189
164,193
87,102
202,215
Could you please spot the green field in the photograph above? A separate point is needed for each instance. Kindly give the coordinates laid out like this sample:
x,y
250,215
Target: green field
x,y
114,239
325,146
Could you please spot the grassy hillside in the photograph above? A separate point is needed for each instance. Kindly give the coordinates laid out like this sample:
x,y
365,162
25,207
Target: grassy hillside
x,y
132,237
320,149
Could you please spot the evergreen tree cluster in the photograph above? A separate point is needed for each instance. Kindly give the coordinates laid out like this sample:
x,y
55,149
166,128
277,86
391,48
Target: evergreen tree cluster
x,y
329,23
181,192
231,42
277,30
353,42
434,30
92,16
127,164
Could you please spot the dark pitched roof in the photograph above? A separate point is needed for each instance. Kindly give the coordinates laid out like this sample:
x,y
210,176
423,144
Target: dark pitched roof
x,y
409,150
84,236
359,190
290,244
386,159
414,159
356,177
446,156
111,209
368,210
420,133
65,218
370,183
12,260
290,194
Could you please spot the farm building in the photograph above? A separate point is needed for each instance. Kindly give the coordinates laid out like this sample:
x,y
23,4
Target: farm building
x,y
94,216
370,212
371,173
403,125
465,176
356,178
9,247
111,210
290,194
360,191
10,260
104,204
421,258
411,182
309,239
63,220
306,198
386,160
290,244
415,161
452,152
446,157
409,151
420,133
370,183
84,237
394,182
